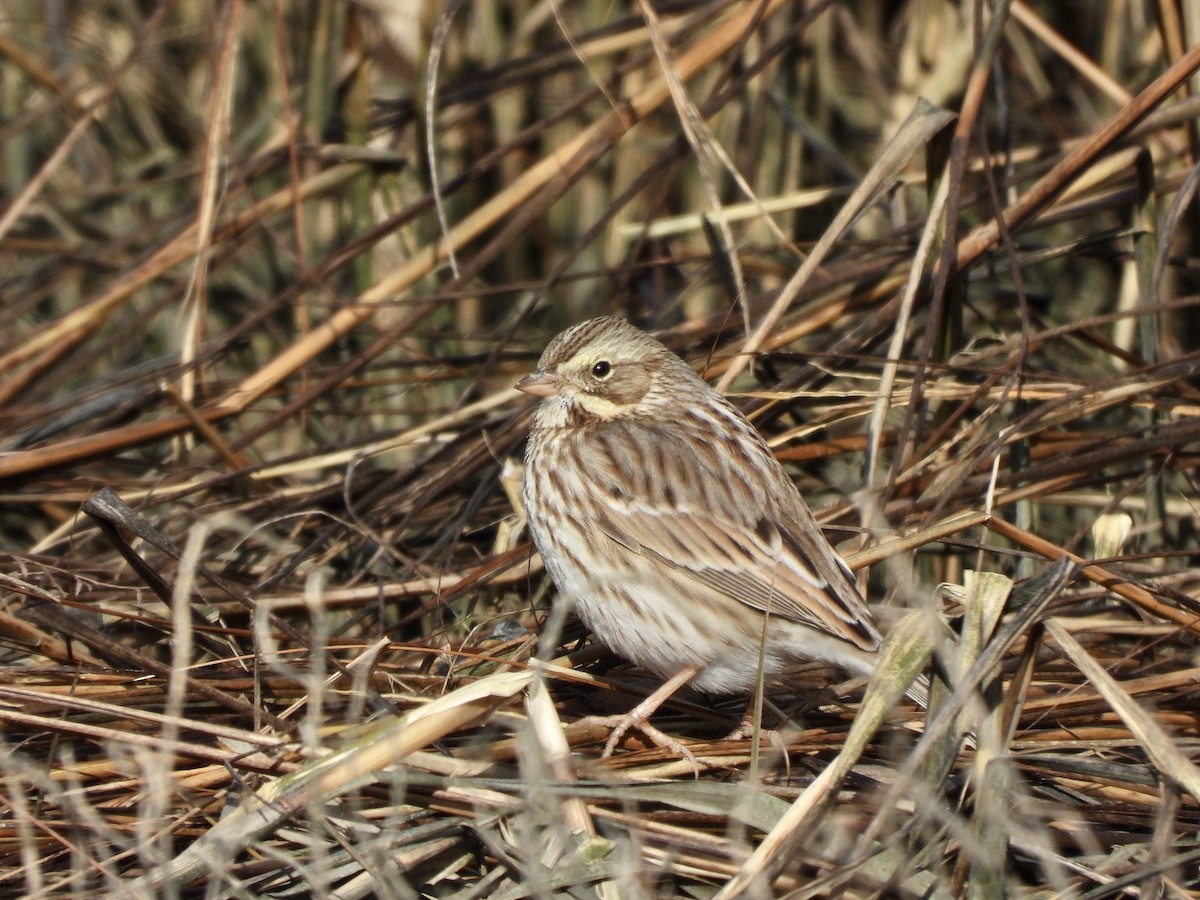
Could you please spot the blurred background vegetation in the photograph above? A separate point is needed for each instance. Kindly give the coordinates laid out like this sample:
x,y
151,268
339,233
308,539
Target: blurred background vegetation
x,y
268,271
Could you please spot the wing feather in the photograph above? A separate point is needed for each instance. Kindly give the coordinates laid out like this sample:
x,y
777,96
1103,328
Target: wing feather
x,y
695,511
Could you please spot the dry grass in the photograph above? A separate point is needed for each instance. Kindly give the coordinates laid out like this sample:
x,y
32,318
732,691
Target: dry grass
x,y
268,610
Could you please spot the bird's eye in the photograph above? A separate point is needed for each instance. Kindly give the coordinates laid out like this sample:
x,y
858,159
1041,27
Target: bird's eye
x,y
601,370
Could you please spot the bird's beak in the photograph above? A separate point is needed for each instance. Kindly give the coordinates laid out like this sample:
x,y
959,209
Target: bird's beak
x,y
539,383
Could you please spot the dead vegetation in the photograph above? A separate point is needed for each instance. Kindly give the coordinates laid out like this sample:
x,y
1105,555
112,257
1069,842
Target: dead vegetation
x,y
269,273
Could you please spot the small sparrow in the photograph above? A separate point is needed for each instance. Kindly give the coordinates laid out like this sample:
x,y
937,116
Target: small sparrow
x,y
669,526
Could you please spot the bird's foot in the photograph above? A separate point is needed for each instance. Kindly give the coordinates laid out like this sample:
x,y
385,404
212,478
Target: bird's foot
x,y
745,732
638,718
619,726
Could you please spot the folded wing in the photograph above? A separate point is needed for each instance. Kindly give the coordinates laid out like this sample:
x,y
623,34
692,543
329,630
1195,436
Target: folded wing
x,y
703,515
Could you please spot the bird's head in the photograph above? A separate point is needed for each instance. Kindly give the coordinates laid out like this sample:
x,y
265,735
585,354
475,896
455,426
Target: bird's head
x,y
604,369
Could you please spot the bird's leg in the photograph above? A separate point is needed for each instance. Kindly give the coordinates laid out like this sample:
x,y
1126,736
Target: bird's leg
x,y
639,717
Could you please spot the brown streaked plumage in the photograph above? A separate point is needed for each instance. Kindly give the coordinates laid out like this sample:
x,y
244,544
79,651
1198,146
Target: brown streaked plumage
x,y
667,523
